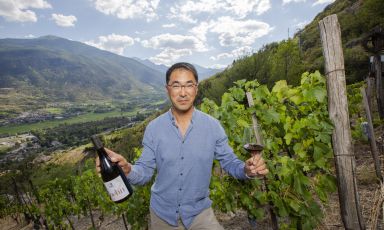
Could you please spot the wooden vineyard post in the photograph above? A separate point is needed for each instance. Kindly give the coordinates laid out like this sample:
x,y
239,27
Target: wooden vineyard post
x,y
338,112
379,86
373,43
371,135
370,90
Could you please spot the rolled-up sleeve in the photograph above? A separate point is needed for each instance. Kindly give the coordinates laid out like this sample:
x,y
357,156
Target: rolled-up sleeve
x,y
143,169
227,158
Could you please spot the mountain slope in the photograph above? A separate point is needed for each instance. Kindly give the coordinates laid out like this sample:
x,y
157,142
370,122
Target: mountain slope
x,y
205,73
64,70
161,68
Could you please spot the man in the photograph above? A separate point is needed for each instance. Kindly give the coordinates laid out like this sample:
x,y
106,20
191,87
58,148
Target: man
x,y
181,145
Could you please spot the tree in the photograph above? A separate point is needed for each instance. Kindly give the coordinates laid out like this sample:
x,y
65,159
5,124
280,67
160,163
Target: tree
x,y
286,62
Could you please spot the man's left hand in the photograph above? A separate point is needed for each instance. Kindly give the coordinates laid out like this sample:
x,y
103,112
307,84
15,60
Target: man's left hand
x,y
255,166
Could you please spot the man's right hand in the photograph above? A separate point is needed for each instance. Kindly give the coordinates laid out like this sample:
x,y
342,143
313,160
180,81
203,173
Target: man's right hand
x,y
117,158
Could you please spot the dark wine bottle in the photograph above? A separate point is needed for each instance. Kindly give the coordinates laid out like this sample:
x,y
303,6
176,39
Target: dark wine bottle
x,y
115,181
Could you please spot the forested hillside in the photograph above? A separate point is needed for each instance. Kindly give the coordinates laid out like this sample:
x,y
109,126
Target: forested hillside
x,y
289,58
55,69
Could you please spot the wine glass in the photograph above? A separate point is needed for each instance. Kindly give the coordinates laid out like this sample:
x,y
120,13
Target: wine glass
x,y
251,142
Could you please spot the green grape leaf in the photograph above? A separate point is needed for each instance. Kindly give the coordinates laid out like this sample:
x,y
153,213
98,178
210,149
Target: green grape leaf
x,y
294,204
271,115
257,212
296,99
320,94
321,193
288,137
297,184
299,150
242,123
323,137
280,86
238,94
282,210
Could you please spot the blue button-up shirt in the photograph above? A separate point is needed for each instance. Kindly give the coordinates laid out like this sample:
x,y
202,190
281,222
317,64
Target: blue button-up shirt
x,y
184,165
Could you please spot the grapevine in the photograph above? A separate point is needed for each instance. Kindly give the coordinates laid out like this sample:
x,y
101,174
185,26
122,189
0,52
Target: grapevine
x,y
297,135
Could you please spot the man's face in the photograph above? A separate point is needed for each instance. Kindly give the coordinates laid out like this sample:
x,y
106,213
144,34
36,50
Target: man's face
x,y
182,89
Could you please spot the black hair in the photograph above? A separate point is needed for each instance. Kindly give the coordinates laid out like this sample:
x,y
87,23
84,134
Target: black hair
x,y
181,65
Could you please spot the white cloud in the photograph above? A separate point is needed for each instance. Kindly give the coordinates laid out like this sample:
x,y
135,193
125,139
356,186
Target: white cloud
x,y
201,30
301,25
289,1
232,32
173,46
183,17
171,25
114,43
239,33
219,66
19,10
186,11
128,9
241,8
170,55
64,21
263,6
319,2
174,41
242,51
30,36
221,56
234,54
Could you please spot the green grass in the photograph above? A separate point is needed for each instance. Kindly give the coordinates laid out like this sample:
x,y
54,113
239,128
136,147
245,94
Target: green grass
x,y
4,149
23,128
159,102
54,110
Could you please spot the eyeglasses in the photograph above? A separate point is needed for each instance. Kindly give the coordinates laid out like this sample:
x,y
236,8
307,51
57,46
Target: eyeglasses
x,y
177,87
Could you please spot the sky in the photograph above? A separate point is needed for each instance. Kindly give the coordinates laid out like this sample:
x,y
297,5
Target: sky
x,y
210,33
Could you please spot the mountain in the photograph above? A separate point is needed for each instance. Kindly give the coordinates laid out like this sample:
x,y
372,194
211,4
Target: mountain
x,y
203,72
58,69
161,68
288,59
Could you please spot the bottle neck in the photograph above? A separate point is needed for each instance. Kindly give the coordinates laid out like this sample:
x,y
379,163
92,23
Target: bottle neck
x,y
103,156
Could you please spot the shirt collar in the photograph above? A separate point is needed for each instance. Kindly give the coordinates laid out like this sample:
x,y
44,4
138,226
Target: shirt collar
x,y
173,119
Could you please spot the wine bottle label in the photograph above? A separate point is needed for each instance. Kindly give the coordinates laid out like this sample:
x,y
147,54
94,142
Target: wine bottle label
x,y
116,189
